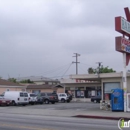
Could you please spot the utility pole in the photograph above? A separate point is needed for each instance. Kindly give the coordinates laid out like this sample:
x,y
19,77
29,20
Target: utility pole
x,y
76,55
99,65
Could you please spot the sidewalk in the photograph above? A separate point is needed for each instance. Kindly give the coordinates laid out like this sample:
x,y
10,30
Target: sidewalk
x,y
105,115
97,114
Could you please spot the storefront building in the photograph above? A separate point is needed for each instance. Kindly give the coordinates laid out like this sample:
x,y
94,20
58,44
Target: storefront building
x,y
88,85
81,89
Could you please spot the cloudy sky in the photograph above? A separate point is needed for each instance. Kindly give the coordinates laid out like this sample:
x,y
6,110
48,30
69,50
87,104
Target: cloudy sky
x,y
40,37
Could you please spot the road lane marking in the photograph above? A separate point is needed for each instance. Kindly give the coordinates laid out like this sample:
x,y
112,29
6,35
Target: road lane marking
x,y
23,127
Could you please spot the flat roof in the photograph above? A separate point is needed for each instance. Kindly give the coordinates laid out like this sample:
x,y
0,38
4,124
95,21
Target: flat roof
x,y
98,76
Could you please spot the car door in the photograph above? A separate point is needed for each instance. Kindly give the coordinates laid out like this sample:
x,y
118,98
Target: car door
x,y
25,97
59,96
21,99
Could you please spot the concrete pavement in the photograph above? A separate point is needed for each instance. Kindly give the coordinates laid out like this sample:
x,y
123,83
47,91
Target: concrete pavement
x,y
90,113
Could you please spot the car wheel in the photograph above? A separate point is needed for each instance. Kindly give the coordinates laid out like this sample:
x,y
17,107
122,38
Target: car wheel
x,y
63,100
95,101
68,101
7,104
47,101
13,103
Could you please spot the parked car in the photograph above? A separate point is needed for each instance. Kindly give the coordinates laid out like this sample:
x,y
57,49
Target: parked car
x,y
32,98
17,97
96,99
70,96
46,98
5,102
39,99
62,97
55,94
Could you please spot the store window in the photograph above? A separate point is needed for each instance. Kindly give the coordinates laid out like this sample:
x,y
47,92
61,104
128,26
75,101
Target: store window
x,y
80,94
107,89
90,92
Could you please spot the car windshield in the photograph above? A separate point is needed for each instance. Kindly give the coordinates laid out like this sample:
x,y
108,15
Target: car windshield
x,y
32,95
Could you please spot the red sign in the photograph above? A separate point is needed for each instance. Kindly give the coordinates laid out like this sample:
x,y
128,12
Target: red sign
x,y
122,26
85,81
122,44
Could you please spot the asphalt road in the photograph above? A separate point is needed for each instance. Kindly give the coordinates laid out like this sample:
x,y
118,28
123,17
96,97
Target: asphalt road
x,y
34,122
64,106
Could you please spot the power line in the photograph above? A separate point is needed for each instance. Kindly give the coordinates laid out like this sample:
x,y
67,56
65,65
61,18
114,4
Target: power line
x,y
67,70
58,76
87,64
64,70
85,71
54,70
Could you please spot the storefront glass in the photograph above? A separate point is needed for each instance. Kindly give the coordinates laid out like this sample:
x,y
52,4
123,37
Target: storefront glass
x,y
107,89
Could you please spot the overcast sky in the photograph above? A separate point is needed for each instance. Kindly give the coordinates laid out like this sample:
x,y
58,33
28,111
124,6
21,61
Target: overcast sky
x,y
39,37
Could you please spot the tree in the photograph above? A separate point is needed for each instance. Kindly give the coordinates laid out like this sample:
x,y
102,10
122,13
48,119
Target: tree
x,y
90,70
26,81
106,70
12,80
100,70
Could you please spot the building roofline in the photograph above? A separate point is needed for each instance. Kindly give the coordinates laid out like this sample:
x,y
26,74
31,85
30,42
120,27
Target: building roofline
x,y
97,76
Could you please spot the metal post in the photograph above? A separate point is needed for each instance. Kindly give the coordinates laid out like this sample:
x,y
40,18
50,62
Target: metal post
x,y
84,93
76,55
124,82
64,88
76,63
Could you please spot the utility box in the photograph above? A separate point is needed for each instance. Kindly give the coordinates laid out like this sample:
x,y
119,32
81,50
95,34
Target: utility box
x,y
117,100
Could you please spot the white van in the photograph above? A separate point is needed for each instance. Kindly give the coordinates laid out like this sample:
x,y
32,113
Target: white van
x,y
32,98
17,97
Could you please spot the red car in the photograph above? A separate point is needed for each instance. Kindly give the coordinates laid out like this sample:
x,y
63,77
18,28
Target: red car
x,y
4,101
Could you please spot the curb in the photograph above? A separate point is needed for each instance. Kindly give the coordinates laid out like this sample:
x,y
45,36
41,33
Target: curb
x,y
101,117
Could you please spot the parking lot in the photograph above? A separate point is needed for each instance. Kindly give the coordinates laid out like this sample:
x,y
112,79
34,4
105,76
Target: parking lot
x,y
62,106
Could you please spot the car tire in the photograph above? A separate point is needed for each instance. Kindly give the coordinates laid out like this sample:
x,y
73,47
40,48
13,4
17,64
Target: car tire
x,y
95,101
13,103
46,101
7,104
63,100
68,101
